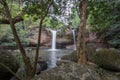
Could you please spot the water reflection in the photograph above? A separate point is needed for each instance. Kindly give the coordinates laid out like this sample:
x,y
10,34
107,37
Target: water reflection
x,y
52,60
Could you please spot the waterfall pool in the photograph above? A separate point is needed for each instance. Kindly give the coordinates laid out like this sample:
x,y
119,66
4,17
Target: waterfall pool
x,y
49,55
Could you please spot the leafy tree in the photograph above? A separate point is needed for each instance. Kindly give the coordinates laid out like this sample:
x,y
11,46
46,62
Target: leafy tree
x,y
7,37
102,13
38,9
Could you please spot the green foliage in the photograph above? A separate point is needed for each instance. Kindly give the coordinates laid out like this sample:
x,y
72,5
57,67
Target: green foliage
x,y
14,7
39,9
102,13
74,20
53,23
8,39
99,15
3,30
103,16
113,35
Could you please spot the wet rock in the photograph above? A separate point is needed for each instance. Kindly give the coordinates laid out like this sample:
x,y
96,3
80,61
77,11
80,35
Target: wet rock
x,y
108,59
43,65
8,60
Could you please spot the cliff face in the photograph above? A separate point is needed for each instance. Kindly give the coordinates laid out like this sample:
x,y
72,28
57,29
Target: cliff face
x,y
62,39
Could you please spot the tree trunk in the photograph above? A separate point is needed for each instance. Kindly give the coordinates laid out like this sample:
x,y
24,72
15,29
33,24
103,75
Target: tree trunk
x,y
81,34
26,59
16,19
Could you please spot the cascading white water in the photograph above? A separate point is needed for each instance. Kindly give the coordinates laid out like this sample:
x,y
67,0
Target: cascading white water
x,y
73,32
53,46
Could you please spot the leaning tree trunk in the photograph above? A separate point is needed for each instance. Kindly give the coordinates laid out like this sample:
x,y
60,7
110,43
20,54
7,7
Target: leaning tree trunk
x,y
42,17
27,62
81,35
38,45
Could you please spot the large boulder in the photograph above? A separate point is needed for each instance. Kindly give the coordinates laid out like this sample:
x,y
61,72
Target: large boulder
x,y
108,59
7,59
70,71
71,57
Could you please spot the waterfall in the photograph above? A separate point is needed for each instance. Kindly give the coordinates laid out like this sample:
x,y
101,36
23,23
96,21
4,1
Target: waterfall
x,y
53,46
74,39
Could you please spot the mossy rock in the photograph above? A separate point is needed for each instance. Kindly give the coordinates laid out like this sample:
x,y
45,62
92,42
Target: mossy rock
x,y
8,60
108,59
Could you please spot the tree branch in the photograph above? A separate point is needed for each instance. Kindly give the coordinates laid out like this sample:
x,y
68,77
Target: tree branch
x,y
7,68
16,19
48,7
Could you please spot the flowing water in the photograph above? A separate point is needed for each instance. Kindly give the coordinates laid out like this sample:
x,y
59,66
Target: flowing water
x,y
74,39
53,46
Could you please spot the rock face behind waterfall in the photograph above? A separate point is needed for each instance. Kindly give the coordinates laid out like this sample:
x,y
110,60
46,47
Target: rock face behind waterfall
x,y
7,59
108,59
